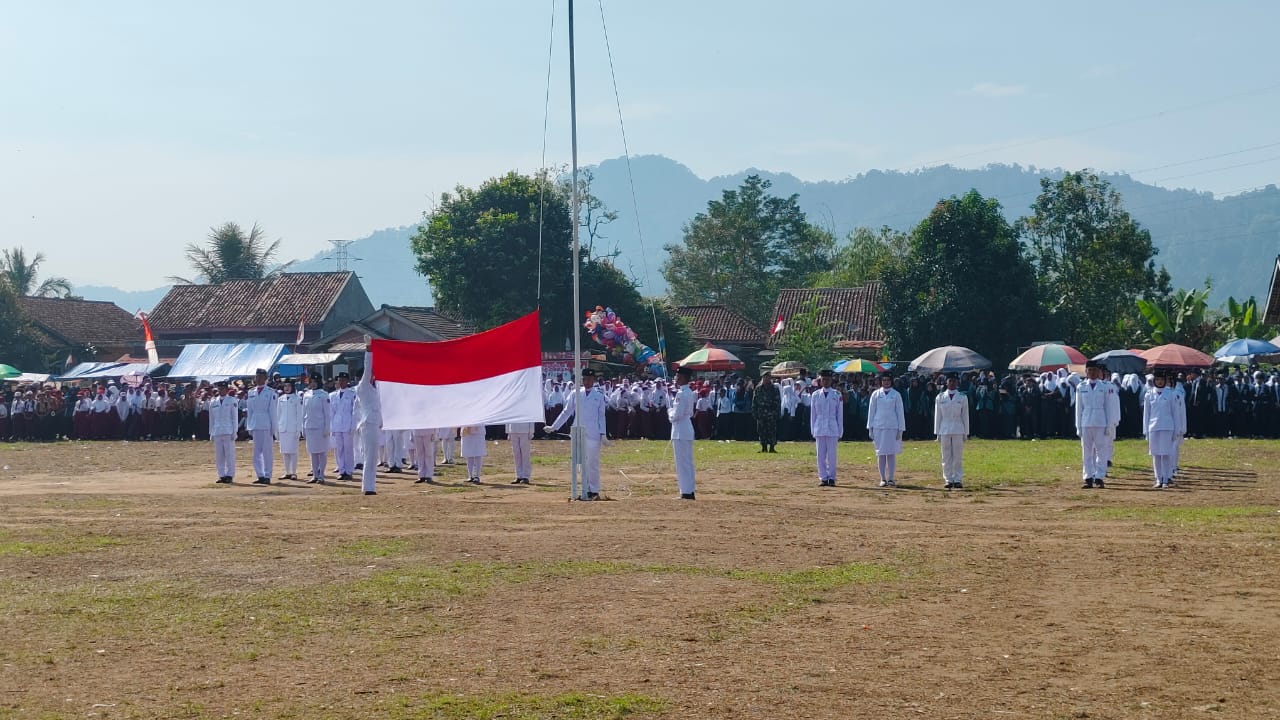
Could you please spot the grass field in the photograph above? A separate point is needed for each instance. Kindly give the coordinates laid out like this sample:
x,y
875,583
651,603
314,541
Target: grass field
x,y
134,587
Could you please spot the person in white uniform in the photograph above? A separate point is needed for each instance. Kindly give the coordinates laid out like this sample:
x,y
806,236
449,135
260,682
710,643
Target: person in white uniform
x,y
474,449
593,403
342,413
260,421
448,444
521,437
1097,414
1164,418
289,429
315,428
886,421
826,424
681,416
224,421
424,451
368,424
951,425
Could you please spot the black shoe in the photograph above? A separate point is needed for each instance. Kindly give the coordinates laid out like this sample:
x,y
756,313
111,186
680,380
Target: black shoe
x,y
312,481
370,492
224,480
773,450
517,481
262,481
283,477
1099,484
345,476
428,481
1088,484
524,481
359,466
687,496
394,469
593,496
475,481
946,486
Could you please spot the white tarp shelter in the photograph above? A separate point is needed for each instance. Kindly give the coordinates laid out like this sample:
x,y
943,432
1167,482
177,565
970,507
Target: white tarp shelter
x,y
225,361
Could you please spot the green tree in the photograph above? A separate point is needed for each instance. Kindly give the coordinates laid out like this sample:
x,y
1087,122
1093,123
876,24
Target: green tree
x,y
862,258
807,338
230,254
19,346
1244,320
1182,318
1092,259
743,249
963,281
21,273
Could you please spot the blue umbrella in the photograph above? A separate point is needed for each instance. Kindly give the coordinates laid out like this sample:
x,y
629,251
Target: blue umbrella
x,y
1246,347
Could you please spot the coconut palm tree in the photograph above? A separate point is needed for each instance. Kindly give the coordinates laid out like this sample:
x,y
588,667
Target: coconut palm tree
x,y
230,254
20,274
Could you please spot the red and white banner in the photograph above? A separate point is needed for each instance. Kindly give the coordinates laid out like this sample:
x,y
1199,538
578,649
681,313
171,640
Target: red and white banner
x,y
489,378
150,342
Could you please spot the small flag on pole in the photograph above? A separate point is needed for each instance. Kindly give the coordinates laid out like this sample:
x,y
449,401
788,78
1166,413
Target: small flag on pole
x,y
152,356
777,327
302,331
70,361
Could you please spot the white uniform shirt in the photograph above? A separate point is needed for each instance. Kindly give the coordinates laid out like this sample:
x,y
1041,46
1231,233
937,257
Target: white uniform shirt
x,y
826,414
224,415
342,410
951,413
1097,404
681,414
289,414
261,407
593,404
885,411
315,410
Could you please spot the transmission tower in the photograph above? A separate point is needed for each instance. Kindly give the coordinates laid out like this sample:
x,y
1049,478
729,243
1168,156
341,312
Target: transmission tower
x,y
342,254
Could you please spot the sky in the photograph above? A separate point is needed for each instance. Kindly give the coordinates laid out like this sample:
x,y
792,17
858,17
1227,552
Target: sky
x,y
129,128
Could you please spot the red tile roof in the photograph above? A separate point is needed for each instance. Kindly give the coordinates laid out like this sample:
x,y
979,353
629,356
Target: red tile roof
x,y
82,322
276,302
720,324
850,313
442,325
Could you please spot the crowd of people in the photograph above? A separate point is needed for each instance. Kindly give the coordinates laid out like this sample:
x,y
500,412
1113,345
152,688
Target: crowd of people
x,y
328,415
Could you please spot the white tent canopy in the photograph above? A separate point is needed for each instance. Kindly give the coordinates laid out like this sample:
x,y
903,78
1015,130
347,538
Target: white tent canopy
x,y
225,361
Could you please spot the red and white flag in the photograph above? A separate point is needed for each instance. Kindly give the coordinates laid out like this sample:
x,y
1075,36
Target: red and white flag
x,y
777,327
302,331
152,356
484,379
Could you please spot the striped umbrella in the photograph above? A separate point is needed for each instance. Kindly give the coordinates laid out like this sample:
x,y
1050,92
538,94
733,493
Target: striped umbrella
x,y
9,371
710,359
1049,356
858,365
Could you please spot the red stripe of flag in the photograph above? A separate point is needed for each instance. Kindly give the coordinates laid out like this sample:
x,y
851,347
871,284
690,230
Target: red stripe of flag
x,y
504,349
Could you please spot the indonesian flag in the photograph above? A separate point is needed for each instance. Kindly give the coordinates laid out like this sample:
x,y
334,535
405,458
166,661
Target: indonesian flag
x,y
302,331
485,379
152,356
777,327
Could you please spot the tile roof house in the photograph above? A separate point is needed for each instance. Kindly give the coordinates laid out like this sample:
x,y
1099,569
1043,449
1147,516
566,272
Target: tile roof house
x,y
725,328
260,311
849,315
419,324
76,325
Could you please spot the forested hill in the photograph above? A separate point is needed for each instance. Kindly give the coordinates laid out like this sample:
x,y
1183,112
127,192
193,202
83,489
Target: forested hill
x,y
1234,240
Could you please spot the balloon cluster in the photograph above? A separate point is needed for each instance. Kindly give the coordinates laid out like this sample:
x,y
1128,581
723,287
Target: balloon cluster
x,y
605,328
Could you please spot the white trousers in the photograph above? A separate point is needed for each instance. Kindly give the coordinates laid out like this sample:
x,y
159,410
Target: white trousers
x,y
344,459
591,464
952,457
263,452
522,452
826,456
290,461
1163,466
224,455
1093,451
448,447
368,477
474,465
685,476
424,450
1107,449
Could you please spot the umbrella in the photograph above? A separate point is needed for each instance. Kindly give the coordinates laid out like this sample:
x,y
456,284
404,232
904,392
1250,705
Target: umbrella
x,y
949,358
858,365
1049,356
790,368
711,358
1175,356
1122,361
1245,347
8,371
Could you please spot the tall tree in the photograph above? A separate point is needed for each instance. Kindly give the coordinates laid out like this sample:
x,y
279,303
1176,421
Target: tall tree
x,y
743,249
21,273
963,281
1092,259
230,254
862,258
18,344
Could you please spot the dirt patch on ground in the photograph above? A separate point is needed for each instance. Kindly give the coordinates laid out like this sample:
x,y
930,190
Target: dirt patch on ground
x,y
135,587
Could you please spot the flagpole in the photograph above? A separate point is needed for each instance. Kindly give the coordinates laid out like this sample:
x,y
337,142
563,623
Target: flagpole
x,y
576,433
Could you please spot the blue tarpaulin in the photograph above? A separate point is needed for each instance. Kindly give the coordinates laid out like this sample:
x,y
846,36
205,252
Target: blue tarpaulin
x,y
225,361
102,370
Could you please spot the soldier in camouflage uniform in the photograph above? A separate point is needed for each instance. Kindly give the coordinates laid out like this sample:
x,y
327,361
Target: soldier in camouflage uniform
x,y
766,406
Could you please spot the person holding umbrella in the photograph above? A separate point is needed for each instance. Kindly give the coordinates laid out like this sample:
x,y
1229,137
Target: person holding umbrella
x,y
886,421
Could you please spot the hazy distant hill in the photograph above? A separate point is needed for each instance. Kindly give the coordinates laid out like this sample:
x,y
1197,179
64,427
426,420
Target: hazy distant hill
x,y
1235,240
